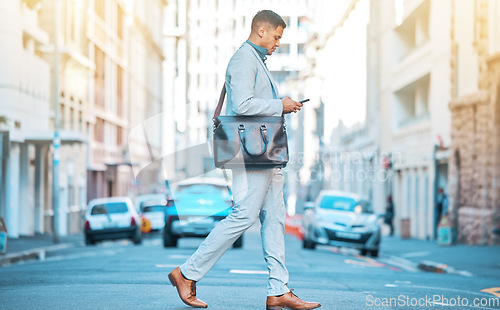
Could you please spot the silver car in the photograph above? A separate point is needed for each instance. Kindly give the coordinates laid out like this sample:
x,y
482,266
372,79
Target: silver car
x,y
342,219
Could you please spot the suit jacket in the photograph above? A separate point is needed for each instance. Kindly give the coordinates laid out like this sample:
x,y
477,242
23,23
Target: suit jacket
x,y
249,85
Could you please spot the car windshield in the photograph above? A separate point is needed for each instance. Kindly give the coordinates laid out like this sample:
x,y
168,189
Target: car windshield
x,y
337,203
157,208
110,208
345,204
152,203
203,189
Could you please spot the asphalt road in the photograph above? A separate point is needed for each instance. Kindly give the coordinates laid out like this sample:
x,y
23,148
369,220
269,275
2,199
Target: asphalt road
x,y
120,275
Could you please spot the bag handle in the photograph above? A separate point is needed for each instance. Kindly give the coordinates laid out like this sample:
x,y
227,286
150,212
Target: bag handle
x,y
221,102
263,133
222,96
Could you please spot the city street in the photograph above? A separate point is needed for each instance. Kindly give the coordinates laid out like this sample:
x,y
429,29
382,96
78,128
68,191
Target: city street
x,y
120,275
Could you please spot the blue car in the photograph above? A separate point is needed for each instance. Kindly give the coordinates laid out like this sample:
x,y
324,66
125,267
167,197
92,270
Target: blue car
x,y
196,207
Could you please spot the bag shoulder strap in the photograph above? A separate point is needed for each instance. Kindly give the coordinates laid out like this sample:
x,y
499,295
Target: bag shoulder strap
x,y
221,102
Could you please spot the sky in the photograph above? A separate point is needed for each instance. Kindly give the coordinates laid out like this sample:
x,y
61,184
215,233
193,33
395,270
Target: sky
x,y
342,64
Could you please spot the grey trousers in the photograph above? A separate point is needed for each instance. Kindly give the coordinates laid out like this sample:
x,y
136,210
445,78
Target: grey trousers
x,y
256,193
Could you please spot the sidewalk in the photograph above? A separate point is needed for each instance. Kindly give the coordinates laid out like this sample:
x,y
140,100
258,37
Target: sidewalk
x,y
468,260
35,247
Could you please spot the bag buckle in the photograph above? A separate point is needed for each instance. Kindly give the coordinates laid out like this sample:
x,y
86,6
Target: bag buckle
x,y
241,127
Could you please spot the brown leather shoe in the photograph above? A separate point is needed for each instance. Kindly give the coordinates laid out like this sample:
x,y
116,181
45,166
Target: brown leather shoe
x,y
289,301
186,289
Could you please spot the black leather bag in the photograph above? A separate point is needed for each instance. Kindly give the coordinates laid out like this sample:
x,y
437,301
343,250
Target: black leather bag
x,y
249,142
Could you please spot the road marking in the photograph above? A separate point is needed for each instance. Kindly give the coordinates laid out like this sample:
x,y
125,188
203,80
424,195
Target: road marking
x,y
494,291
248,271
166,265
179,256
402,282
415,254
401,263
369,262
390,285
360,263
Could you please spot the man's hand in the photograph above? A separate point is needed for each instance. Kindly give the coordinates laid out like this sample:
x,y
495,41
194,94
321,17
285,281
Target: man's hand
x,y
290,105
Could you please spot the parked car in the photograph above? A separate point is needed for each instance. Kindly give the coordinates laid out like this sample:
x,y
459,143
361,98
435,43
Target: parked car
x,y
111,218
197,206
342,219
154,212
148,199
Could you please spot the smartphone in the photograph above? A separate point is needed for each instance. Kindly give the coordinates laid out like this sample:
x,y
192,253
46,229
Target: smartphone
x,y
305,100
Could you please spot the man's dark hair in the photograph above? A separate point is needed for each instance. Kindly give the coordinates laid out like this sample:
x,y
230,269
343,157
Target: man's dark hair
x,y
268,17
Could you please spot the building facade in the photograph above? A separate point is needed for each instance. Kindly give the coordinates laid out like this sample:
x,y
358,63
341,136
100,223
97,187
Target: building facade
x,y
125,44
409,74
475,107
25,102
91,71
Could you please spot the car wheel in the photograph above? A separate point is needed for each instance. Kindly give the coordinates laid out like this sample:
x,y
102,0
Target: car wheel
x,y
374,253
308,244
169,240
238,243
364,252
89,241
137,237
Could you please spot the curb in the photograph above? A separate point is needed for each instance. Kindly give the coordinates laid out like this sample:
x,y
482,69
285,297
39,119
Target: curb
x,y
430,266
34,254
425,266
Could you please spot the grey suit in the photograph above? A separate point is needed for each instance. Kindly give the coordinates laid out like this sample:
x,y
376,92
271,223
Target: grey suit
x,y
257,193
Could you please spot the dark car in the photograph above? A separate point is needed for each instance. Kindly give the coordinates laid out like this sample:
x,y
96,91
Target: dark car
x,y
342,219
197,206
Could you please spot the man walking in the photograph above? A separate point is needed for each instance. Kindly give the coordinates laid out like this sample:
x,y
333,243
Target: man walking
x,y
251,90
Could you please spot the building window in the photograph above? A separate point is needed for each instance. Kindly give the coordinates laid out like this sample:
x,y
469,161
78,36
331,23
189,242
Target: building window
x,y
99,130
417,192
286,19
119,135
80,121
119,91
100,8
99,75
62,118
408,194
413,30
72,119
284,49
119,22
301,48
412,102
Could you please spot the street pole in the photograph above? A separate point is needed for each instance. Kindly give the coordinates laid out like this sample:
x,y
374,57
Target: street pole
x,y
57,141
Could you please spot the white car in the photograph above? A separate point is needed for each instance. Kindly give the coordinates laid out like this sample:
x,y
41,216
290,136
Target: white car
x,y
342,219
154,213
112,218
